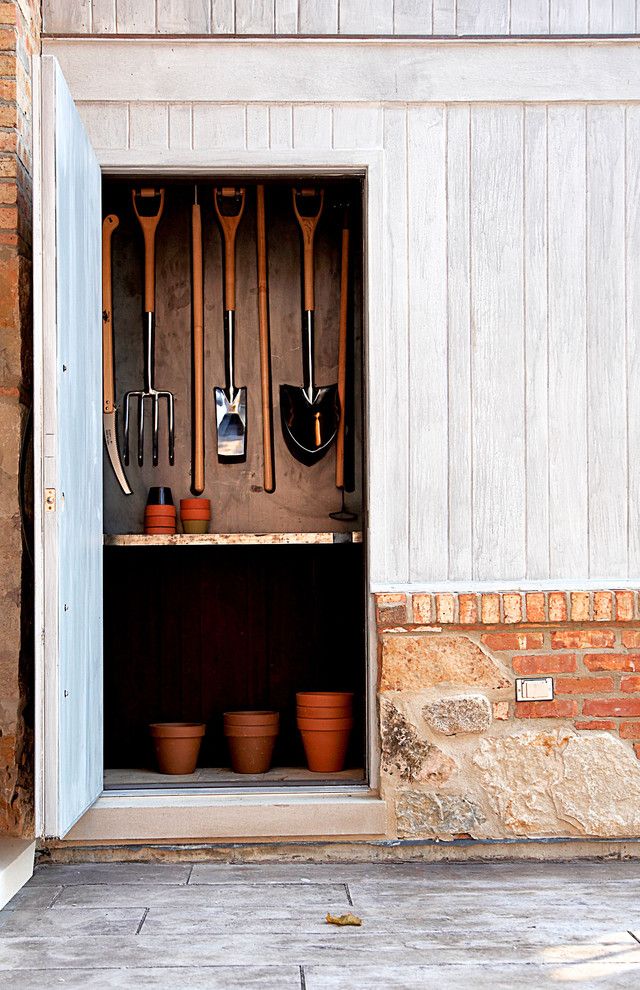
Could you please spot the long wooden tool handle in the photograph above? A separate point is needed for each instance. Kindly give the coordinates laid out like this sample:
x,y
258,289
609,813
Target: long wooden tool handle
x,y
229,224
308,227
198,352
149,225
265,370
342,353
109,224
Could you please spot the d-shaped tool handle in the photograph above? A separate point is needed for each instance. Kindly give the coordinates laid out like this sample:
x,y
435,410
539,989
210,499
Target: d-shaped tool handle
x,y
149,223
308,226
229,204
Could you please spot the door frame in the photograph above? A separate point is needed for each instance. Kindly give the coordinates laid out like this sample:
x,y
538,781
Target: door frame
x,y
367,164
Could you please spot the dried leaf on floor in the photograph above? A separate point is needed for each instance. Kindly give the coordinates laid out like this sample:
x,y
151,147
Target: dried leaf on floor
x,y
344,919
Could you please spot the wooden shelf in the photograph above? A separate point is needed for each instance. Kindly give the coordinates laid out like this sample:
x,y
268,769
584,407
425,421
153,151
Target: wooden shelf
x,y
229,539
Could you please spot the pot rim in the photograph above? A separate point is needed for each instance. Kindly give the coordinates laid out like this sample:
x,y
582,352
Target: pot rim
x,y
325,699
190,503
177,730
325,724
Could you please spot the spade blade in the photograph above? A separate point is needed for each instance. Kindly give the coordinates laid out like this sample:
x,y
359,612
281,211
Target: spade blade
x,y
309,427
231,425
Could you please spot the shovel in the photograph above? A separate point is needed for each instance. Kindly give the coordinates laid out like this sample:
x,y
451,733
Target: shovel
x,y
231,402
311,414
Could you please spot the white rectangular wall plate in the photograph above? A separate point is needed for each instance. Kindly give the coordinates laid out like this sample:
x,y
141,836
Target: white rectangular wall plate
x,y
534,688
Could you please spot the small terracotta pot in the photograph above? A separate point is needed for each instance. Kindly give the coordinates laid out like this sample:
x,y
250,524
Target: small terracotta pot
x,y
202,504
324,699
325,749
195,526
194,514
177,745
251,747
159,530
303,711
153,511
324,724
159,521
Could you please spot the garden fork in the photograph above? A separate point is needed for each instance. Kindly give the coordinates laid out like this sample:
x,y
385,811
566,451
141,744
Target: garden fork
x,y
145,200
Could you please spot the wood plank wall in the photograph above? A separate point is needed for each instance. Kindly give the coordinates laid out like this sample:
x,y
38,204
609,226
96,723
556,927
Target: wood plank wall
x,y
512,326
347,17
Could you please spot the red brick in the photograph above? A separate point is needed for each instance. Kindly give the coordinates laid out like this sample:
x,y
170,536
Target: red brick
x,y
535,607
422,609
557,606
490,609
630,684
611,706
580,605
612,661
584,685
596,724
624,606
512,606
7,13
603,606
636,749
513,641
391,609
582,639
468,605
546,709
630,730
631,638
554,663
445,608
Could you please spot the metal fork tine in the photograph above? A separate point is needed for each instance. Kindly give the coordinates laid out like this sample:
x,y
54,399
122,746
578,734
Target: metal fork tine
x,y
155,412
141,429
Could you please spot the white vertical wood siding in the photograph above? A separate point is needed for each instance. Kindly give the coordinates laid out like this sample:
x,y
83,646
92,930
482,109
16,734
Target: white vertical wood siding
x,y
512,324
349,17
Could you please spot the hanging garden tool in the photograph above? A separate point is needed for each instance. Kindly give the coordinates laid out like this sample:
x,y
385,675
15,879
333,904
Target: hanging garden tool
x,y
343,515
310,414
231,402
109,411
144,203
265,350
197,480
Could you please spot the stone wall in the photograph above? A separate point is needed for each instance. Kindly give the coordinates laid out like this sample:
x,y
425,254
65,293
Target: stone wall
x,y
460,757
19,33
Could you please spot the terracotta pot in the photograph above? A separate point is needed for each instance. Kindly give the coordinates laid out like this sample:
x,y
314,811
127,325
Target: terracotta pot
x,y
252,718
251,747
160,496
153,511
160,521
324,699
304,711
159,530
325,749
195,526
196,503
324,724
194,514
177,745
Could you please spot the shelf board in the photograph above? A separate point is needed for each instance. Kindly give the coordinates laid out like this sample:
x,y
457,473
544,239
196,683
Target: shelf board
x,y
229,539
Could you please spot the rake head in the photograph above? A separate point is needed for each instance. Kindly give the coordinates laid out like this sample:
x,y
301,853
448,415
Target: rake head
x,y
154,398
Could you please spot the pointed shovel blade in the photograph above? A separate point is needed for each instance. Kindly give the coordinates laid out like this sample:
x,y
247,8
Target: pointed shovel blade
x,y
309,427
231,425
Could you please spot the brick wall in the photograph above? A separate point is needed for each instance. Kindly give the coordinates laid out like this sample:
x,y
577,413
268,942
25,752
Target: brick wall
x,y
461,756
19,33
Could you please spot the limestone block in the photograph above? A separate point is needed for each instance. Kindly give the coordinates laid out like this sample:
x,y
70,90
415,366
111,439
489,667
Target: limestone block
x,y
458,713
407,756
562,783
420,814
411,663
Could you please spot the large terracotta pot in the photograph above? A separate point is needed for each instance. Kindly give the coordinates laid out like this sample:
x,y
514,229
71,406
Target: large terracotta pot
x,y
177,745
325,742
251,737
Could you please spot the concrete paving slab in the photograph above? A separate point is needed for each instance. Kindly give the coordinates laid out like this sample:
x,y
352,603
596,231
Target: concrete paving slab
x,y
122,873
195,978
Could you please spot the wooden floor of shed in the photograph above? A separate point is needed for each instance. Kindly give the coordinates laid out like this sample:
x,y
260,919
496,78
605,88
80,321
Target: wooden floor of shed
x,y
502,925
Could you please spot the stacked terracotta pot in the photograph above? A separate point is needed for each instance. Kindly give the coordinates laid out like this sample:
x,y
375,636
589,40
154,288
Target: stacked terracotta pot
x,y
160,520
195,514
325,720
251,737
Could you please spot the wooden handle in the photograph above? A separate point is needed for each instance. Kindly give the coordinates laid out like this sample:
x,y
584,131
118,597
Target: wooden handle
x,y
308,227
198,352
342,354
109,224
263,322
149,225
229,226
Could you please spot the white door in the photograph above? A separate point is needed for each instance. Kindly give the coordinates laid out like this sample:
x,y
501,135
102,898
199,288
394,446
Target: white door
x,y
67,362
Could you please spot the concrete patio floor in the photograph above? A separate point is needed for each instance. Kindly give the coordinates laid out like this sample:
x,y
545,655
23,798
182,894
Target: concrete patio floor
x,y
449,926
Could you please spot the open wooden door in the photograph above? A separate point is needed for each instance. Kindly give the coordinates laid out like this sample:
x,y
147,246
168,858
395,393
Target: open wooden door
x,y
68,452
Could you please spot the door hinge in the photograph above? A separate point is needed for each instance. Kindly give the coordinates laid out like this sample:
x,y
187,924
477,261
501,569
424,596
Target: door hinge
x,y
49,500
